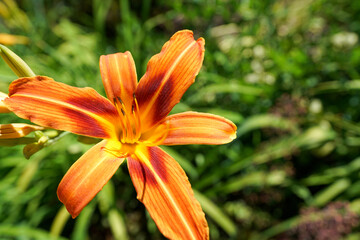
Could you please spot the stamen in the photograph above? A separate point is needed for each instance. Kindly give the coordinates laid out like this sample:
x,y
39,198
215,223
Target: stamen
x,y
112,152
129,130
130,123
162,128
136,113
122,103
123,128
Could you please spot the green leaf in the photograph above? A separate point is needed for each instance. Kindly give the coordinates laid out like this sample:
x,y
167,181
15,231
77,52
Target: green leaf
x,y
20,232
82,223
59,222
117,225
267,121
330,192
216,214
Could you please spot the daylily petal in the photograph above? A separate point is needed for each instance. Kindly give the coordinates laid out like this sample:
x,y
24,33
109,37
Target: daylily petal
x,y
56,105
3,107
17,130
169,74
164,189
119,77
86,177
198,128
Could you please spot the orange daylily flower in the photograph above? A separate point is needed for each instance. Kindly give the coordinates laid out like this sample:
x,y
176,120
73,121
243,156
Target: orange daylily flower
x,y
132,121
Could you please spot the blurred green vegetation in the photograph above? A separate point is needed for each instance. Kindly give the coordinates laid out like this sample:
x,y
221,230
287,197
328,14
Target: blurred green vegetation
x,y
287,73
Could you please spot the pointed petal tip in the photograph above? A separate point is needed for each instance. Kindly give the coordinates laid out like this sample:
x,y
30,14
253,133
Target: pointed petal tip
x,y
233,136
196,128
201,42
168,75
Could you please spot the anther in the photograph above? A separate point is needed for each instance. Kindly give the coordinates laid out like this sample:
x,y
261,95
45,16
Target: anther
x,y
136,113
116,101
121,102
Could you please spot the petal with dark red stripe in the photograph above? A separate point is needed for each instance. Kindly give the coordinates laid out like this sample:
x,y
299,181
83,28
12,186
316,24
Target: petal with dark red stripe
x,y
86,177
56,105
198,128
164,189
169,74
118,73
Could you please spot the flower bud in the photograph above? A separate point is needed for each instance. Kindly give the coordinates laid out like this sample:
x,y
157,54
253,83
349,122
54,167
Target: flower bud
x,y
19,67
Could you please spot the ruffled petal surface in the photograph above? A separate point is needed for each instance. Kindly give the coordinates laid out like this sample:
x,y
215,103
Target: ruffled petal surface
x,y
169,74
56,105
198,128
119,77
86,177
164,189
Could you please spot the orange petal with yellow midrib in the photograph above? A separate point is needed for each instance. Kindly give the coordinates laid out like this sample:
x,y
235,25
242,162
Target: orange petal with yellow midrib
x,y
198,128
169,74
119,77
163,187
56,105
86,177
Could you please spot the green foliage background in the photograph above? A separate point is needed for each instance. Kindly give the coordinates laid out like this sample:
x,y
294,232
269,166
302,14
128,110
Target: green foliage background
x,y
285,72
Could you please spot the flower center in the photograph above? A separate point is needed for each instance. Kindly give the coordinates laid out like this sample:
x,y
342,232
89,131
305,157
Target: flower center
x,y
120,150
129,121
